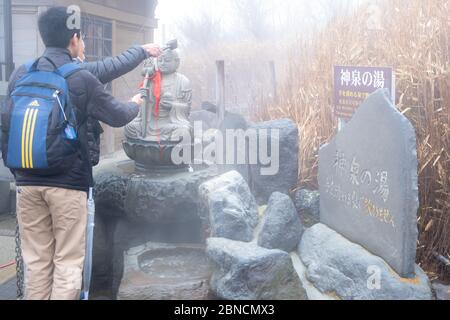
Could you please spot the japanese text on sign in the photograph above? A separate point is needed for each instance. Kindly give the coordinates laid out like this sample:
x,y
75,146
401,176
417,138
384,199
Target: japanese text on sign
x,y
352,85
375,181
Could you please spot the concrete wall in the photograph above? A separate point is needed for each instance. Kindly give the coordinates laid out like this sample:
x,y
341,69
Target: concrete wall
x,y
3,88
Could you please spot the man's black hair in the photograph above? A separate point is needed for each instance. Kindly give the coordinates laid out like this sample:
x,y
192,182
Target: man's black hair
x,y
53,27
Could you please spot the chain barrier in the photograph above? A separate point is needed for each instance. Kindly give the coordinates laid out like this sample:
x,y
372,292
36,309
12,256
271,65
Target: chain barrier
x,y
19,264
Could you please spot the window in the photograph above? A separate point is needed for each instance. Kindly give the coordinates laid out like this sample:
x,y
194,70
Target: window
x,y
97,38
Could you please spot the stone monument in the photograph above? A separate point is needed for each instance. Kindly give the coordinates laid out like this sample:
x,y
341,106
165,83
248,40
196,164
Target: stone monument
x,y
368,183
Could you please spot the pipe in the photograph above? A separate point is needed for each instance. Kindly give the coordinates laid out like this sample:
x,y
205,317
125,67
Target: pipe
x,y
442,259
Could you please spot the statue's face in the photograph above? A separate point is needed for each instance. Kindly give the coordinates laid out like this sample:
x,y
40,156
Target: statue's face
x,y
168,62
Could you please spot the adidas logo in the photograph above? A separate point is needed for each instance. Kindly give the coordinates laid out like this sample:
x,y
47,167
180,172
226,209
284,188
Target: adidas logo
x,y
35,103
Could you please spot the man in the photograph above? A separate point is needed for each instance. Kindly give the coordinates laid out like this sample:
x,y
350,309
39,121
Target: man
x,y
52,210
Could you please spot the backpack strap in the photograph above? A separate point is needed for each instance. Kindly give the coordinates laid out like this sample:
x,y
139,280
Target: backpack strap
x,y
68,69
29,65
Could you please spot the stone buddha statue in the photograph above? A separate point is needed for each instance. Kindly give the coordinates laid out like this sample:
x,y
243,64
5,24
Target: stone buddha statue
x,y
163,119
168,119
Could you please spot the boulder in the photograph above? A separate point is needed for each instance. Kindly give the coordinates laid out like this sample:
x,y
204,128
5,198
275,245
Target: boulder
x,y
245,271
281,226
229,207
285,134
441,291
307,203
208,119
336,265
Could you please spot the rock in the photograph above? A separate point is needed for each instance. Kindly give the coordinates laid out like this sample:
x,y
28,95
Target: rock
x,y
238,125
231,120
368,183
442,291
230,207
336,265
208,119
286,177
165,272
282,228
307,203
244,271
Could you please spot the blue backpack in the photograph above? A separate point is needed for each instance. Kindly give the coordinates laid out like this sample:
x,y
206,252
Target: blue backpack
x,y
39,125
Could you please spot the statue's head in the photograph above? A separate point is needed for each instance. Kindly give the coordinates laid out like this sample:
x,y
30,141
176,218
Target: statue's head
x,y
168,62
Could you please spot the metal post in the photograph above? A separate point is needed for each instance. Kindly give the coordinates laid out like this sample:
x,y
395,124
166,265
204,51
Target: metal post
x,y
273,78
163,34
8,38
220,89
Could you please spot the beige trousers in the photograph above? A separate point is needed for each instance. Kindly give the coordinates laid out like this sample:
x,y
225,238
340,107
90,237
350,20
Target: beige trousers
x,y
52,224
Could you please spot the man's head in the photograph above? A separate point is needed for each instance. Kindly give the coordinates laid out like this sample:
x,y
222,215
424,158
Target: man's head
x,y
168,62
55,31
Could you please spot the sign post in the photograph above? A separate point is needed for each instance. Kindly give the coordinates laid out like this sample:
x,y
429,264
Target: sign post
x,y
220,89
353,84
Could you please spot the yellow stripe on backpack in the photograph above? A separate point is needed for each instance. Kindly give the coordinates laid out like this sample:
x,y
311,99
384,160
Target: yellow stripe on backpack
x,y
28,128
27,141
25,120
33,124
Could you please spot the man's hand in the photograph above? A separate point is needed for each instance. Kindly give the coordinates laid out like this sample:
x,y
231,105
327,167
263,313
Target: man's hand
x,y
137,99
153,49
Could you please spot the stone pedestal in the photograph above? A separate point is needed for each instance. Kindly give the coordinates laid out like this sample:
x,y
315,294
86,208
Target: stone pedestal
x,y
134,208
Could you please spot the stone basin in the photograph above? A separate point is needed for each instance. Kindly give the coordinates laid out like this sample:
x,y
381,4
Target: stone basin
x,y
166,272
153,156
172,265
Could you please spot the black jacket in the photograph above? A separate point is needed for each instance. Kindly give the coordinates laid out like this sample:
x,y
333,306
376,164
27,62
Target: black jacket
x,y
107,70
91,99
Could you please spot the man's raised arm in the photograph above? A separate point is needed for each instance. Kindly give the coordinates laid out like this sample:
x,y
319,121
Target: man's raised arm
x,y
111,68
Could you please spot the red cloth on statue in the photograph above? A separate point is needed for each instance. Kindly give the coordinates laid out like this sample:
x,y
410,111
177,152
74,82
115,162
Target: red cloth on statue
x,y
157,79
157,85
